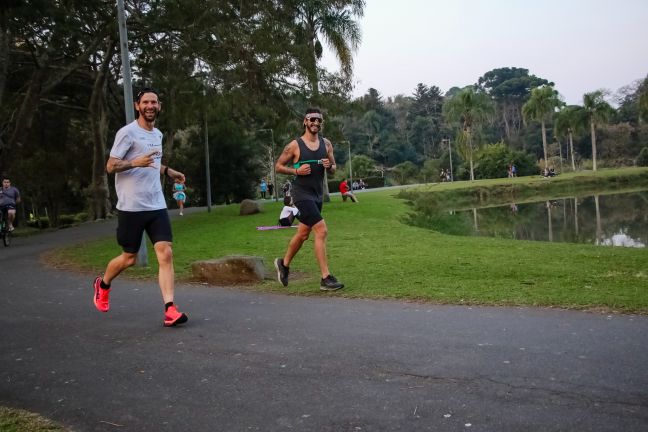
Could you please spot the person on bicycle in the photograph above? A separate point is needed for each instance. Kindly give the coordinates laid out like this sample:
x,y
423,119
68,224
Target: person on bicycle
x,y
9,197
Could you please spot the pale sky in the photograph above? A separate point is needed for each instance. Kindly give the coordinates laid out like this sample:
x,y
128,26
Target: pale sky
x,y
580,45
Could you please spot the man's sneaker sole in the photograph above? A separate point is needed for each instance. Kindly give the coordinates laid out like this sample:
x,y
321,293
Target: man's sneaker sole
x,y
181,320
96,287
276,264
323,288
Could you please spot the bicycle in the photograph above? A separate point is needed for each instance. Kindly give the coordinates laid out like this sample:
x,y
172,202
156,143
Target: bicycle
x,y
4,227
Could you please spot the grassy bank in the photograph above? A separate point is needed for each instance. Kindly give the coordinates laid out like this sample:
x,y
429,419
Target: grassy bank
x,y
465,195
378,256
15,420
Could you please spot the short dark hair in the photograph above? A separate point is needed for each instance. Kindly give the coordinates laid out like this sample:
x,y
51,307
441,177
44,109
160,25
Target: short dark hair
x,y
145,90
312,111
287,200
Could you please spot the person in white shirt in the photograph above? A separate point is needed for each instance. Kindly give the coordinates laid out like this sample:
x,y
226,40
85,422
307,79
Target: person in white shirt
x,y
288,213
135,158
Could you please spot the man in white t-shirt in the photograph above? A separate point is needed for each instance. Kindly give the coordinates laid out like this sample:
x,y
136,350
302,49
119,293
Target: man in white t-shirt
x,y
135,158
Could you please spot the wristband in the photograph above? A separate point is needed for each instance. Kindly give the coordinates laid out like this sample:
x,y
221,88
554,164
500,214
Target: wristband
x,y
296,173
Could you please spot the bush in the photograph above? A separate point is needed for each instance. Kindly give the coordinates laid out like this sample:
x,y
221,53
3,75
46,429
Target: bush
x,y
642,159
66,220
42,222
494,159
370,182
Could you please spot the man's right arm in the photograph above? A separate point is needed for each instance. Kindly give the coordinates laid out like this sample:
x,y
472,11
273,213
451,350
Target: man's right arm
x,y
115,165
285,158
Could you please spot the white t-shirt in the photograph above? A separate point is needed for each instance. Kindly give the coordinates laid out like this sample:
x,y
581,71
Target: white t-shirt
x,y
287,210
138,189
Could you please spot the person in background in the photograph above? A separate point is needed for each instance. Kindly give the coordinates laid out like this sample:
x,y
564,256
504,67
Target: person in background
x,y
9,198
180,194
345,192
286,188
270,190
263,188
288,213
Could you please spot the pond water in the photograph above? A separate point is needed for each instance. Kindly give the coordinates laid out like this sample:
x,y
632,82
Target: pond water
x,y
608,220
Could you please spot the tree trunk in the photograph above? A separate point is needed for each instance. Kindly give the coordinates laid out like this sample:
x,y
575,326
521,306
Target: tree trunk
x,y
470,149
571,149
544,144
593,127
100,202
28,108
4,53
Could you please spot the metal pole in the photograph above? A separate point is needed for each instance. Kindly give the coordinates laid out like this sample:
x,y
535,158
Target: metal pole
x,y
142,253
207,172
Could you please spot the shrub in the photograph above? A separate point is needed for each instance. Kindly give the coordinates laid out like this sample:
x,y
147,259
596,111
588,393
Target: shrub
x,y
494,159
642,159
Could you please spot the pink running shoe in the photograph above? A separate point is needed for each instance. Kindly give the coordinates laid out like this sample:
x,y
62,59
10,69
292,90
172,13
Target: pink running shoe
x,y
172,317
101,296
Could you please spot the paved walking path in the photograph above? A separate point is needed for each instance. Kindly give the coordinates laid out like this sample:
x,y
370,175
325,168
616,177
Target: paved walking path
x,y
250,361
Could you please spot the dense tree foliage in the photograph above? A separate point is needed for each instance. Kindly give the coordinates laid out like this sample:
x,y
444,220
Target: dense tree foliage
x,y
244,72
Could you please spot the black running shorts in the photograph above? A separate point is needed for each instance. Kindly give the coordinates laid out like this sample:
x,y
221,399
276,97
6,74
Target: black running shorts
x,y
309,212
131,226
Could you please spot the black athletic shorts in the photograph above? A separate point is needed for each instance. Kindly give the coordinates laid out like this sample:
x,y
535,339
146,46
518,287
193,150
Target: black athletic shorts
x,y
309,212
131,226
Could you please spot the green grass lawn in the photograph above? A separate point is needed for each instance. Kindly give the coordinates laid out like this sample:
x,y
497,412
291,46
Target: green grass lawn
x,y
15,420
377,255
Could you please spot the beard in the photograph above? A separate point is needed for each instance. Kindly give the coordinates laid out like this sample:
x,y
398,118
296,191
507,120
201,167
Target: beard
x,y
148,115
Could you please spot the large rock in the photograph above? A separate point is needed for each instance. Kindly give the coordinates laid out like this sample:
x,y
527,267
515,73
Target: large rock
x,y
230,270
249,207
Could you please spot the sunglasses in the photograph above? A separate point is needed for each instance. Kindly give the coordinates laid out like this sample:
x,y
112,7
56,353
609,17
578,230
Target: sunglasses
x,y
144,91
314,119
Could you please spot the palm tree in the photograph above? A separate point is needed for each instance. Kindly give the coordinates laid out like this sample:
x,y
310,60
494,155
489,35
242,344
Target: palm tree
x,y
570,120
543,102
470,109
332,21
598,111
643,100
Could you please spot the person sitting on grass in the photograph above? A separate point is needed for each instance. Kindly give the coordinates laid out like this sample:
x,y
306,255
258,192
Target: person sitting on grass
x,y
344,191
288,213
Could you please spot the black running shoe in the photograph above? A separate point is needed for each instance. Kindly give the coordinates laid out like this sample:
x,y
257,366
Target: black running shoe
x,y
329,283
282,271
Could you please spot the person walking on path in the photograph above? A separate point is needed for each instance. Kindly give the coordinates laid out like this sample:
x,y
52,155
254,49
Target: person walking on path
x,y
135,158
344,191
308,157
180,194
9,198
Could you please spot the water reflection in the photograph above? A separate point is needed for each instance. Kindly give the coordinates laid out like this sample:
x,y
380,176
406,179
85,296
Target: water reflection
x,y
608,220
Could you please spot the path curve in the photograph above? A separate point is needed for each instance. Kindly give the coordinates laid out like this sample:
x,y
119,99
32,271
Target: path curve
x,y
264,362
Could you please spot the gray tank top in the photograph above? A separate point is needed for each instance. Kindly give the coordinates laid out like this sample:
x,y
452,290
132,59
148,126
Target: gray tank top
x,y
309,187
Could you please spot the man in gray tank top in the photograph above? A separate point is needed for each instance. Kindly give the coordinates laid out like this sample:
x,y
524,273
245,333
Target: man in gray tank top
x,y
306,158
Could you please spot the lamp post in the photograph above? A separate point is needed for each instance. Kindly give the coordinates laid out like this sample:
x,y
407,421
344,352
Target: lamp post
x,y
142,253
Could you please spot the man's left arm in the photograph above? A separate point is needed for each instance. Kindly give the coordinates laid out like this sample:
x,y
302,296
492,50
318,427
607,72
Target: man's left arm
x,y
329,162
173,174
